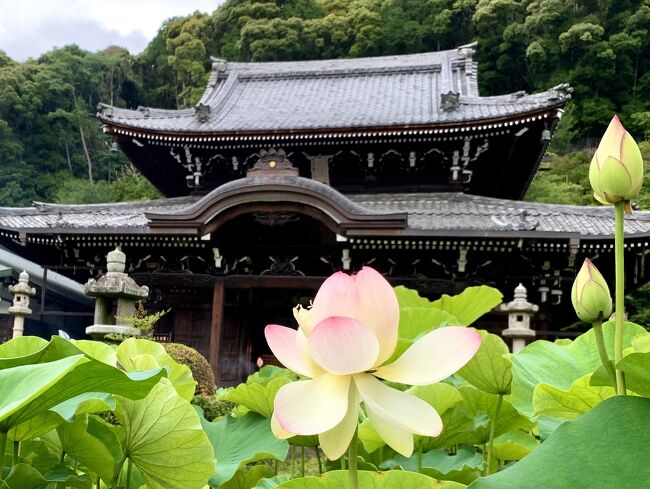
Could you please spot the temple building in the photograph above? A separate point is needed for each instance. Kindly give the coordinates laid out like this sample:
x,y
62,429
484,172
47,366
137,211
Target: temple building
x,y
285,172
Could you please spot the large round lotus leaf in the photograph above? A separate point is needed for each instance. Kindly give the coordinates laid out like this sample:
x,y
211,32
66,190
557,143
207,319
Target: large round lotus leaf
x,y
28,350
257,397
393,479
571,403
605,448
490,369
240,441
99,351
514,445
136,355
560,365
165,440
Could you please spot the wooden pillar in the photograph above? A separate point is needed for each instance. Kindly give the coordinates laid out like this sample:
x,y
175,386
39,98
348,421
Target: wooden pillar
x,y
216,326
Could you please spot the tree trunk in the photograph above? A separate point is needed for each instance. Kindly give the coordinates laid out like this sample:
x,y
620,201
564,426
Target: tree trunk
x,y
67,155
88,160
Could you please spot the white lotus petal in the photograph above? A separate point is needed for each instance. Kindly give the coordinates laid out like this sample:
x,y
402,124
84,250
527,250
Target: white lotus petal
x,y
310,407
336,297
433,357
377,307
398,408
343,345
395,436
284,344
337,440
277,430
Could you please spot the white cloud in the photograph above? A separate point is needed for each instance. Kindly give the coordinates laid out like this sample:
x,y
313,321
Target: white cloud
x,y
29,28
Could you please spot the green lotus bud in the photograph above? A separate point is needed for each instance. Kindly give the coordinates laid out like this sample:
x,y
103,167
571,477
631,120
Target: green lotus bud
x,y
590,294
616,171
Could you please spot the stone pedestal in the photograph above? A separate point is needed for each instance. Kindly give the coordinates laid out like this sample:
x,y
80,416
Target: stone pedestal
x,y
115,296
519,313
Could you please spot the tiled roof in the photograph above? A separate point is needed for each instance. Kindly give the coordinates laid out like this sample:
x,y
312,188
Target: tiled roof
x,y
118,216
428,214
387,91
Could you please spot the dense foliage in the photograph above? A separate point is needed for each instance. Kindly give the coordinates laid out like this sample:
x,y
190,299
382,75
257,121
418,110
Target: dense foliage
x,y
52,148
201,370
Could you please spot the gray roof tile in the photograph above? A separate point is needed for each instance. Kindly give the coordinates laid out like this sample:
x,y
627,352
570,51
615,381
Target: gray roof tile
x,y
433,213
385,91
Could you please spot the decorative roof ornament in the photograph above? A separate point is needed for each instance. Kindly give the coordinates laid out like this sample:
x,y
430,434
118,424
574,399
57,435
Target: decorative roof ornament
x,y
273,163
145,111
450,101
202,112
562,91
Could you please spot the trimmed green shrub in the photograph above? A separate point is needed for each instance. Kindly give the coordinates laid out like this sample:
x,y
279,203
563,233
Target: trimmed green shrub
x,y
212,406
201,370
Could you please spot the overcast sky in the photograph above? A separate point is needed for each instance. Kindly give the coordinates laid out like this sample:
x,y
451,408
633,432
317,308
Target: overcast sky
x,y
28,28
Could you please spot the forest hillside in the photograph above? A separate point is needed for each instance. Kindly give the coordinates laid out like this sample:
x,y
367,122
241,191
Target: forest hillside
x,y
52,148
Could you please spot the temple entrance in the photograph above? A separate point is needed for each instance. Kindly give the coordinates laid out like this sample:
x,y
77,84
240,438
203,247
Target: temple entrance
x,y
246,312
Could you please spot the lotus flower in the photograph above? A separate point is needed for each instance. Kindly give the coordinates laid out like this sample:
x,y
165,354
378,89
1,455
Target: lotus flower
x,y
590,294
616,171
342,343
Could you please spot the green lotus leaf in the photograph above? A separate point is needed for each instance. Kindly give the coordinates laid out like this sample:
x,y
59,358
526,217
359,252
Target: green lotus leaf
x,y
477,402
136,354
271,482
440,396
393,479
465,465
239,441
164,439
560,365
247,479
369,437
490,369
30,390
603,448
579,398
99,351
635,364
514,445
28,350
257,397
470,304
17,349
93,443
88,402
418,315
24,476
269,372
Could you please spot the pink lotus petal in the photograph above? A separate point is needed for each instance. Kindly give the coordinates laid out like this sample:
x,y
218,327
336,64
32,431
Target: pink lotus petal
x,y
343,345
377,307
285,346
337,440
310,407
398,408
336,297
277,430
395,436
433,357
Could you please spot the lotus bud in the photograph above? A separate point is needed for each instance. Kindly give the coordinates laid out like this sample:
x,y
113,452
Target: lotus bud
x,y
590,294
616,171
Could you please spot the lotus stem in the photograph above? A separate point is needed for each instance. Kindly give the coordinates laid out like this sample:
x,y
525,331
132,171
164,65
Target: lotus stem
x,y
302,462
14,459
128,473
320,464
602,351
619,210
419,459
3,447
293,460
352,456
493,428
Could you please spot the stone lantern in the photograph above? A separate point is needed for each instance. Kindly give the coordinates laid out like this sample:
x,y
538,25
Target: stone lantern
x,y
115,296
20,308
519,313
